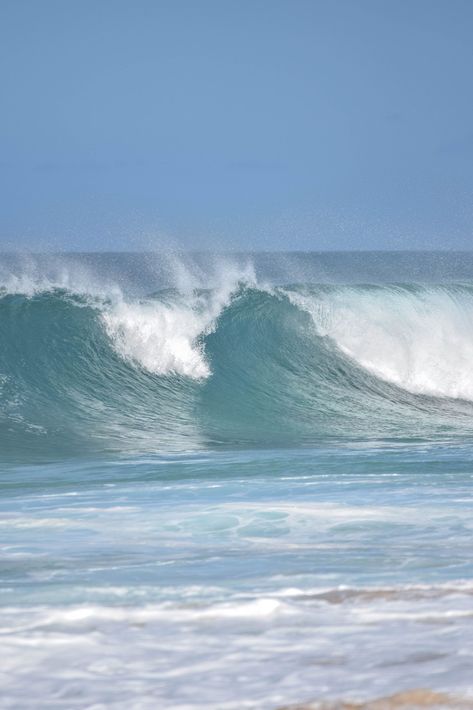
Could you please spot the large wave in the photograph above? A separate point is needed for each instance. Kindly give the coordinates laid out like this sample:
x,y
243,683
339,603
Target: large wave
x,y
224,360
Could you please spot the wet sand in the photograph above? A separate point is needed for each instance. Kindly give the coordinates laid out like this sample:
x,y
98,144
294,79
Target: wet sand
x,y
406,700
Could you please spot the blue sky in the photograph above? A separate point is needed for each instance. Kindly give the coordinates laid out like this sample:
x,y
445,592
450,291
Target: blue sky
x,y
262,124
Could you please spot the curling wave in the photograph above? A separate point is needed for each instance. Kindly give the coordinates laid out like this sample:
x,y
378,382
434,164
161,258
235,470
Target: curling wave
x,y
231,365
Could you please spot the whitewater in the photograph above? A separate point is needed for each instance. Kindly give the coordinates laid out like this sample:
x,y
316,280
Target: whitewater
x,y
235,481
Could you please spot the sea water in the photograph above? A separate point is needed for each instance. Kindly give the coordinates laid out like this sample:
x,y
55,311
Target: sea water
x,y
235,481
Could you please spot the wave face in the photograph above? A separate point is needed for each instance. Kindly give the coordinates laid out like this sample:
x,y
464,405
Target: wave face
x,y
226,358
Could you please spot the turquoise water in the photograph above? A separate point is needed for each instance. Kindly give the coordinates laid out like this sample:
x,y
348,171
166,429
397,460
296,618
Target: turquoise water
x,y
234,482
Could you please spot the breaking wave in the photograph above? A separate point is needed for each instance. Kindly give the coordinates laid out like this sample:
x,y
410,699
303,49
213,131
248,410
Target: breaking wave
x,y
228,361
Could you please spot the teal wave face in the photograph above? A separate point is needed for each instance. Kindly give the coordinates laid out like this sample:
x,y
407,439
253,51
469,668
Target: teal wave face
x,y
233,366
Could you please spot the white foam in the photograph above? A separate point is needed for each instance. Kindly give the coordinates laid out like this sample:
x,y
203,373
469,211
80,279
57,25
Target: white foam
x,y
421,341
167,337
254,652
161,338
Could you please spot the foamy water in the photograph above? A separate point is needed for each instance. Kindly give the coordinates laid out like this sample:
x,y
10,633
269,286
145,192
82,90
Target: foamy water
x,y
238,589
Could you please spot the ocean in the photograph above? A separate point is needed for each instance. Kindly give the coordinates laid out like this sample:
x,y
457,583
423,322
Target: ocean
x,y
236,480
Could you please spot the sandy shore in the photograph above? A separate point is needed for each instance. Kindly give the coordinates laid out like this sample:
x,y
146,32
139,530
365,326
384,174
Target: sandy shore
x,y
407,700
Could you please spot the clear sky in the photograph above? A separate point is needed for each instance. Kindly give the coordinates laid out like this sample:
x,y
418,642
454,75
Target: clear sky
x,y
262,124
